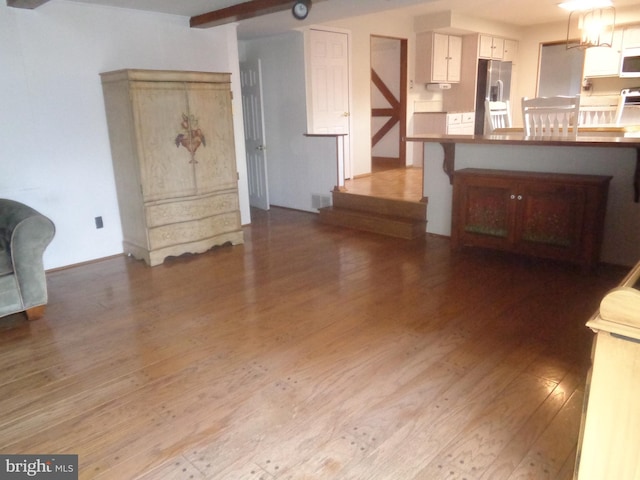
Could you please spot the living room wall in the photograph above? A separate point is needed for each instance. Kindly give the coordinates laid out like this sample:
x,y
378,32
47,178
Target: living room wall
x,y
54,145
299,167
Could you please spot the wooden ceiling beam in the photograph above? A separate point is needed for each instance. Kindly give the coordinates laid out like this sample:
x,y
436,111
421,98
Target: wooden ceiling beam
x,y
30,4
241,11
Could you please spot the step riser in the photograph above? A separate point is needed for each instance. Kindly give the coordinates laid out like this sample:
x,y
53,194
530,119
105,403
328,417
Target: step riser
x,y
361,221
405,209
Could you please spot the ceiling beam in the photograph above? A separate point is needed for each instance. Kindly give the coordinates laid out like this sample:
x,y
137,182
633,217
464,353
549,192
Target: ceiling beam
x,y
241,11
30,4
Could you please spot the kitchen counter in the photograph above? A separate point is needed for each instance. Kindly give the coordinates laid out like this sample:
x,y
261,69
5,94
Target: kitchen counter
x,y
595,151
587,137
445,123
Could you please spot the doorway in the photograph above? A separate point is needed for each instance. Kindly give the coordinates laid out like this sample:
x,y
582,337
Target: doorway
x,y
560,70
388,102
254,131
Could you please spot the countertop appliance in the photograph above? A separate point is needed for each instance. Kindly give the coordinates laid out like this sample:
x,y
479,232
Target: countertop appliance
x,y
631,96
630,64
494,84
629,114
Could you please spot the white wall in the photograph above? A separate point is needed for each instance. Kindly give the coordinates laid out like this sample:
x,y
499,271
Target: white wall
x,y
298,167
54,146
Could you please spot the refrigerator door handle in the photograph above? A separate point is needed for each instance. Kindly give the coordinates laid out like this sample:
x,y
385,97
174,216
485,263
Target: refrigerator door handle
x,y
500,84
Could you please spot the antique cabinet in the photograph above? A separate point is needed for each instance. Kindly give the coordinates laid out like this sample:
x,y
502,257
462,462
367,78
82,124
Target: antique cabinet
x,y
172,145
610,429
558,216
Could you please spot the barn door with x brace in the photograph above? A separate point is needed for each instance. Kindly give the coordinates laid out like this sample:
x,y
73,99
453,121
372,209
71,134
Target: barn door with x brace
x,y
388,102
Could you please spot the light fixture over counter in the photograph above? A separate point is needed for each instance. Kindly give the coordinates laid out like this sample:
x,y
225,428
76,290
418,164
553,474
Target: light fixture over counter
x,y
591,23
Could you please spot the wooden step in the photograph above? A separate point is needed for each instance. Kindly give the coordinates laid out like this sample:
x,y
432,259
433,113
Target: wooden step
x,y
389,225
380,205
395,218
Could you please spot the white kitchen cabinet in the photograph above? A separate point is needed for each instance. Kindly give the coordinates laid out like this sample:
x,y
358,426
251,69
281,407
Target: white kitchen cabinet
x,y
496,48
439,58
510,51
460,123
631,37
444,123
604,61
491,47
173,152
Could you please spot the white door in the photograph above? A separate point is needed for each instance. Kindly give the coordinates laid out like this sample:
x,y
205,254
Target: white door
x,y
251,82
329,68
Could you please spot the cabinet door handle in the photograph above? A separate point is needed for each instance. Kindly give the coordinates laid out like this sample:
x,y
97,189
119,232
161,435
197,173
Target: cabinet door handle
x,y
519,197
513,197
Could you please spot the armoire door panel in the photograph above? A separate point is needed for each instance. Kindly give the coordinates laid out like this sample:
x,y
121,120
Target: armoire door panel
x,y
167,170
215,158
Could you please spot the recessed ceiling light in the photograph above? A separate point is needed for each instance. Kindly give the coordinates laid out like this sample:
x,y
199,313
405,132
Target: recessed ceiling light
x,y
572,5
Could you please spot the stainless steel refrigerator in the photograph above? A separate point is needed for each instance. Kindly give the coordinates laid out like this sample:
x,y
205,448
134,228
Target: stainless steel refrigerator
x,y
494,84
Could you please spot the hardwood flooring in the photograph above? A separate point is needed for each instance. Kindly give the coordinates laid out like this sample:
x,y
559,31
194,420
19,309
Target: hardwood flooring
x,y
309,352
396,183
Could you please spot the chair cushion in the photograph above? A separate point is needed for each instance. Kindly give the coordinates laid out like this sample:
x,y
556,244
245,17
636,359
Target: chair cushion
x,y
6,266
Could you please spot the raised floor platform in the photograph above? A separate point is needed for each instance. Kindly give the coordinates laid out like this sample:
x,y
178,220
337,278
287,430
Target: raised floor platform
x,y
388,202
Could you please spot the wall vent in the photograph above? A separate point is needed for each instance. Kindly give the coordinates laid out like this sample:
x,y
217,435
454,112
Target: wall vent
x,y
320,201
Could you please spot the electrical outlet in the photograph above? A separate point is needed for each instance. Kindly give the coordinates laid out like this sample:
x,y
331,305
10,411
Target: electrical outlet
x,y
99,223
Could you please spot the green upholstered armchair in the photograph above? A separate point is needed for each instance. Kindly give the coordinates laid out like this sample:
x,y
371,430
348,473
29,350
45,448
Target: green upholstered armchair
x,y
24,235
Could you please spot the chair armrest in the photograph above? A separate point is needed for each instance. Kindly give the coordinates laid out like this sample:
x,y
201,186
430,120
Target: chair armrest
x,y
30,233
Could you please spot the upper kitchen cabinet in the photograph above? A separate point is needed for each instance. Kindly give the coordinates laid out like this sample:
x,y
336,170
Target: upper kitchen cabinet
x,y
491,47
631,37
510,50
496,48
604,61
439,58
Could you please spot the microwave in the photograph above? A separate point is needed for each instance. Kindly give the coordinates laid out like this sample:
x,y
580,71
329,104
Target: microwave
x,y
630,64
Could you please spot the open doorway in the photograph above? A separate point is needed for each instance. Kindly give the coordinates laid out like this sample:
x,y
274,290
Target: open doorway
x,y
560,70
388,102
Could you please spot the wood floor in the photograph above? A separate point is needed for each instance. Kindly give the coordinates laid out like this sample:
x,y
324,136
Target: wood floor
x,y
309,352
396,183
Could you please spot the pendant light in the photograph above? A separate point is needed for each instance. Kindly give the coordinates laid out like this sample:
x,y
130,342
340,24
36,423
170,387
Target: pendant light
x,y
591,23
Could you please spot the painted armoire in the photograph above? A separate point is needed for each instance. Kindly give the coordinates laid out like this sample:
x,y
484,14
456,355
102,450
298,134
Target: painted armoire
x,y
172,143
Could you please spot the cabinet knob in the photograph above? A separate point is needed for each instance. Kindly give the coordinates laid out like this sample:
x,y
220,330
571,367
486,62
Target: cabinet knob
x,y
513,197
519,197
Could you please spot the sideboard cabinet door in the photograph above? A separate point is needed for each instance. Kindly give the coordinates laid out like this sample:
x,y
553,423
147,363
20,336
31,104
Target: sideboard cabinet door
x,y
557,216
550,219
172,145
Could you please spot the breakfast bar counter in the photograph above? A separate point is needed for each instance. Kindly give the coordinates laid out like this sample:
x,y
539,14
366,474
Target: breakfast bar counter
x,y
607,151
606,138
